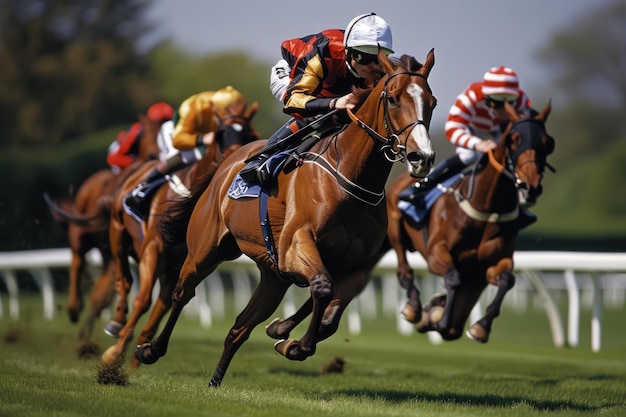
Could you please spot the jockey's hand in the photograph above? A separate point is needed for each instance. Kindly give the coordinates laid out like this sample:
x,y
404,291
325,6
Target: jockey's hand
x,y
208,138
346,102
486,146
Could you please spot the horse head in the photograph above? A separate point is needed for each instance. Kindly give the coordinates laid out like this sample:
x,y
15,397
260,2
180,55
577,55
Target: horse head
x,y
148,147
529,146
408,104
235,126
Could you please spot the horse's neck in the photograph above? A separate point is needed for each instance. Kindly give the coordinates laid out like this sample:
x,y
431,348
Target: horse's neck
x,y
359,158
489,189
208,161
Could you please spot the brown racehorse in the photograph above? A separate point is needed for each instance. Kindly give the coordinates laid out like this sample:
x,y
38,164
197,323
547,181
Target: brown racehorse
x,y
157,260
327,217
86,217
471,230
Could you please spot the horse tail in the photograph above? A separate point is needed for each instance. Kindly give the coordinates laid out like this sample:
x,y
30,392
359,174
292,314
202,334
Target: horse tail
x,y
65,213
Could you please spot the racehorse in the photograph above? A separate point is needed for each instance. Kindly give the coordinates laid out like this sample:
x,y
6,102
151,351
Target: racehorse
x,y
156,259
86,217
470,233
326,219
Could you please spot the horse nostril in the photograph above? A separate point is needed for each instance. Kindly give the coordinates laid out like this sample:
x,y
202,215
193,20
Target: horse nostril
x,y
415,158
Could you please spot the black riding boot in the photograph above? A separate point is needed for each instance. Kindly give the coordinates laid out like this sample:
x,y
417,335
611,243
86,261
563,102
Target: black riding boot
x,y
136,197
256,171
446,169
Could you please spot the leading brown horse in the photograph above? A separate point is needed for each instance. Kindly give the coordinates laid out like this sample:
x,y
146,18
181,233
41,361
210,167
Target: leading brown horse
x,y
327,217
470,233
157,259
86,218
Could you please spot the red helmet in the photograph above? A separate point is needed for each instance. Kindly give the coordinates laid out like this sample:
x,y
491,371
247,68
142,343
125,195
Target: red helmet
x,y
160,112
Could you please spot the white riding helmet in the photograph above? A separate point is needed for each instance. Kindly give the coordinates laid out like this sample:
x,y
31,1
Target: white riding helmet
x,y
366,32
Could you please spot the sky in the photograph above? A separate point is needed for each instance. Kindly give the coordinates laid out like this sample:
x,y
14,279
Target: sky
x,y
469,36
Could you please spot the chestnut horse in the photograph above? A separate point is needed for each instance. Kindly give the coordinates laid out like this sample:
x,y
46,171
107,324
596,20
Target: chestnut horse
x,y
470,233
327,217
157,260
86,217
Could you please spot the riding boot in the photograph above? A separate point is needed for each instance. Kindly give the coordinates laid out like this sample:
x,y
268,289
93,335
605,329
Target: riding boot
x,y
136,197
257,171
444,170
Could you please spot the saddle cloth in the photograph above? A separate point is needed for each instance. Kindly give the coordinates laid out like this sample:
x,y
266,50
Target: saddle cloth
x,y
418,213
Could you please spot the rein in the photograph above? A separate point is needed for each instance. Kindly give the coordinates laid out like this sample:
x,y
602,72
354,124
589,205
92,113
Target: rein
x,y
391,138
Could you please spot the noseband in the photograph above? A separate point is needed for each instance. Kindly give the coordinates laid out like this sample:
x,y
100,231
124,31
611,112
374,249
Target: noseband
x,y
392,140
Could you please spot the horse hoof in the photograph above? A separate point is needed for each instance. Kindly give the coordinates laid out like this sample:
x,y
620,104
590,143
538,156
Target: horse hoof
x,y
273,329
111,357
410,314
478,333
144,354
423,325
113,328
435,314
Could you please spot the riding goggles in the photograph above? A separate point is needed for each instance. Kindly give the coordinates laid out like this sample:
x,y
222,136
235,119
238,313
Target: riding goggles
x,y
363,58
497,104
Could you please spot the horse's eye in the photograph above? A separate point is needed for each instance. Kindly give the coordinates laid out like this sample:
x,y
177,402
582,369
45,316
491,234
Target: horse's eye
x,y
392,100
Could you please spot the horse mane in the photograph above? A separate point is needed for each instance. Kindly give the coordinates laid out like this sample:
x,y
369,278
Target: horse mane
x,y
172,225
406,62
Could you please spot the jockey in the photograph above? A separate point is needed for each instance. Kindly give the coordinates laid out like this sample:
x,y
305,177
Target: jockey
x,y
181,139
474,125
316,75
125,149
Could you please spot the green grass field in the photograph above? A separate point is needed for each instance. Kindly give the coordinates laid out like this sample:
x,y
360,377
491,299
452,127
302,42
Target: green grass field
x,y
518,373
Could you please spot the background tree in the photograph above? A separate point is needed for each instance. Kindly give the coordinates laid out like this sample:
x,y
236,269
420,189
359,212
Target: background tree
x,y
70,67
587,65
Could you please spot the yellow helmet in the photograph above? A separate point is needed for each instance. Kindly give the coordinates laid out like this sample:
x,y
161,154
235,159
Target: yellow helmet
x,y
226,96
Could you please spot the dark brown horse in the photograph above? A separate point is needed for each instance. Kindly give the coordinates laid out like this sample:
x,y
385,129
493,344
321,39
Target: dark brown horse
x,y
86,218
327,217
470,234
157,259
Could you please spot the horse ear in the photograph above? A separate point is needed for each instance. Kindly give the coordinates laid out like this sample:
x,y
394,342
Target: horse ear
x,y
385,61
545,112
511,112
428,64
254,107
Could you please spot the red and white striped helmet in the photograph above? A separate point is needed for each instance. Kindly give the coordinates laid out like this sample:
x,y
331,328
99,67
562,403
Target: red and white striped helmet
x,y
501,83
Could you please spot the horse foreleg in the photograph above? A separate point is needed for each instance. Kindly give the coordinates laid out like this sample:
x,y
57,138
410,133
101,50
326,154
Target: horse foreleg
x,y
280,328
452,281
123,278
262,304
75,294
480,330
344,292
141,304
321,293
149,352
100,297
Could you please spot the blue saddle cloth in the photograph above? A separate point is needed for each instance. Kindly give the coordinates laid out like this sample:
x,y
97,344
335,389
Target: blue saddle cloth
x,y
418,213
241,188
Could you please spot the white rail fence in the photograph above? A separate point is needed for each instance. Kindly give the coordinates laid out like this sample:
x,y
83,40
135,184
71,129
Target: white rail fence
x,y
588,280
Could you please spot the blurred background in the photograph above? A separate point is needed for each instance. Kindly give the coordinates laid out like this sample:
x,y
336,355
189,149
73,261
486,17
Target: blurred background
x,y
75,72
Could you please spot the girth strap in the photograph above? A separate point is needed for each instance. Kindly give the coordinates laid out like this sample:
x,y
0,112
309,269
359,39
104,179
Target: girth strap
x,y
484,216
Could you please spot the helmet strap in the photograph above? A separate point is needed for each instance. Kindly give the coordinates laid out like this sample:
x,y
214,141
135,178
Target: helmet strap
x,y
349,53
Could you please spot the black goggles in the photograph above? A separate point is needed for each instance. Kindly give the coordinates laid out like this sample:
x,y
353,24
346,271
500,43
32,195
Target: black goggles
x,y
497,104
363,58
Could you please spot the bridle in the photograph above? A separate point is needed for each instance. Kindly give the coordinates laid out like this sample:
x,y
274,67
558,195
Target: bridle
x,y
392,147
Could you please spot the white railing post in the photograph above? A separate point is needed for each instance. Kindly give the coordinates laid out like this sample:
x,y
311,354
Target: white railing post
x,y
573,321
596,314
